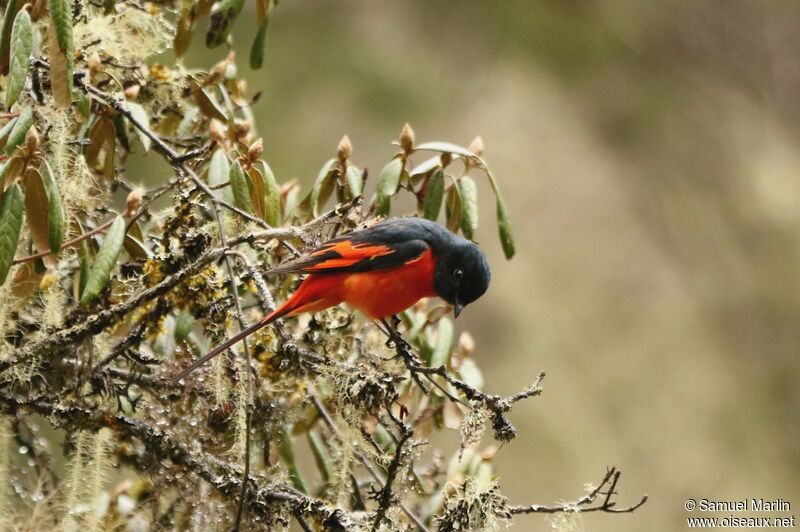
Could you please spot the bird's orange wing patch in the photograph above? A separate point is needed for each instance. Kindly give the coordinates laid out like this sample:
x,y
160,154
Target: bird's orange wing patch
x,y
347,253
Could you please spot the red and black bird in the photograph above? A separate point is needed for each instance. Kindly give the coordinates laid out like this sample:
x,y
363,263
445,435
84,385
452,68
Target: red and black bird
x,y
380,271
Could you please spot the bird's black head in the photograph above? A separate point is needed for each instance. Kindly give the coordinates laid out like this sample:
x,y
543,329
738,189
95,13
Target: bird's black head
x,y
462,274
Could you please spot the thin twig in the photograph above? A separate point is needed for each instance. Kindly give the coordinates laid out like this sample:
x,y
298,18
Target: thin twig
x,y
585,503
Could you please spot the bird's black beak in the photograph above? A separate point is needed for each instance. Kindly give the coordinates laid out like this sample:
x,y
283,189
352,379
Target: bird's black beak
x,y
457,308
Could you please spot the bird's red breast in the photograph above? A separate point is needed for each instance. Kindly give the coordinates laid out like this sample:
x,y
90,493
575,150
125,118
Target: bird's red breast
x,y
376,293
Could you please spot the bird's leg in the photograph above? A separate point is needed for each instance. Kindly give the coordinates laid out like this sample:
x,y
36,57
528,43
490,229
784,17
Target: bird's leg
x,y
403,349
395,340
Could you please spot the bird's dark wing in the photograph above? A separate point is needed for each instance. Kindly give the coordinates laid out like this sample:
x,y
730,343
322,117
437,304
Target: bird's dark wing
x,y
370,249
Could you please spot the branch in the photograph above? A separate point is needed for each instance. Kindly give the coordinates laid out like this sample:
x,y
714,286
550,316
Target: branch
x,y
497,405
222,476
586,503
385,496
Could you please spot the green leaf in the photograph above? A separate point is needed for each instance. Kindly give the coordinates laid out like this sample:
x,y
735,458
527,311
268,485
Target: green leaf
x,y
504,227
5,32
470,373
184,323
21,127
433,196
59,34
272,207
426,166
140,115
240,188
388,181
469,206
452,209
445,147
355,181
444,343
105,260
286,451
383,206
503,223
257,50
84,104
84,252
21,45
223,15
6,131
55,209
61,13
323,186
321,456
258,192
219,170
11,207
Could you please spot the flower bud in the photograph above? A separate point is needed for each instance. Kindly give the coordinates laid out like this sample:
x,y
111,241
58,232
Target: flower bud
x,y
32,140
476,146
256,150
407,138
94,64
132,92
216,131
133,203
344,149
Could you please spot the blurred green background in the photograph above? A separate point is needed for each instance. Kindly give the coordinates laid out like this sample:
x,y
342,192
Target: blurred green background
x,y
649,154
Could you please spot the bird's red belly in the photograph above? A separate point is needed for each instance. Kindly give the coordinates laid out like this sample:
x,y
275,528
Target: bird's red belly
x,y
382,293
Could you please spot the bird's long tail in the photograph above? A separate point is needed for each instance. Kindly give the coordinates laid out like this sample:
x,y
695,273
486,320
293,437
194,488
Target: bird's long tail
x,y
266,320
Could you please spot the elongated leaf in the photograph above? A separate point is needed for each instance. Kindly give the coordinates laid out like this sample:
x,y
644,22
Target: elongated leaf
x,y
26,280
355,181
20,54
59,34
321,457
223,15
140,115
61,14
272,210
469,206
11,207
135,247
286,451
11,172
85,254
388,181
446,147
5,32
205,102
21,127
470,373
257,191
504,227
323,186
105,261
426,166
55,209
444,343
452,209
36,209
6,131
240,188
433,196
183,29
257,50
219,170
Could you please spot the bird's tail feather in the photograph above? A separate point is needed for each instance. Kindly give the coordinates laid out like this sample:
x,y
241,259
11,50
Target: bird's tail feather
x,y
266,320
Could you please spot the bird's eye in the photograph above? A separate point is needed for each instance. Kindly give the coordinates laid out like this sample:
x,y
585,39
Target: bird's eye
x,y
458,274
